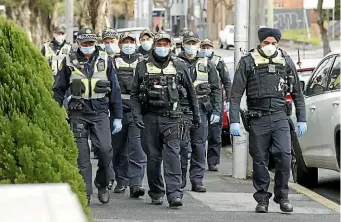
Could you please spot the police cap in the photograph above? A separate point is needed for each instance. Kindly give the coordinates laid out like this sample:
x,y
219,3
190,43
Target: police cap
x,y
87,35
183,31
162,35
109,33
190,36
59,28
206,42
147,32
127,35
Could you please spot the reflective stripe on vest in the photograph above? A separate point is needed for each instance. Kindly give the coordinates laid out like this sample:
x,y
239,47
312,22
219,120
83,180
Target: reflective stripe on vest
x,y
120,63
260,60
215,60
56,59
153,70
90,83
202,76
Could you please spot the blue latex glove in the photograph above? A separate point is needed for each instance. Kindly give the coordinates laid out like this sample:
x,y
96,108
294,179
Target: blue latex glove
x,y
301,128
117,125
235,129
214,119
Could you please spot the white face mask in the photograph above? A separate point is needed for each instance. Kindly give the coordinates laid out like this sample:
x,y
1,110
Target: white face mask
x,y
147,45
269,50
59,38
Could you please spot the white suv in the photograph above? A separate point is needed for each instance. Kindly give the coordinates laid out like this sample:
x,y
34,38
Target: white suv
x,y
320,146
226,37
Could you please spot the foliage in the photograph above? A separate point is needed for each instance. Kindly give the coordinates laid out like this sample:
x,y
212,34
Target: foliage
x,y
300,35
36,144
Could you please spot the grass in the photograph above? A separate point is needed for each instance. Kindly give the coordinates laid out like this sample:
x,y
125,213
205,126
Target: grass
x,y
300,35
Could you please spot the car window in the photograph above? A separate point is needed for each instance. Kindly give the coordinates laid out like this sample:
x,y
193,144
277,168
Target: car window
x,y
318,83
232,30
334,82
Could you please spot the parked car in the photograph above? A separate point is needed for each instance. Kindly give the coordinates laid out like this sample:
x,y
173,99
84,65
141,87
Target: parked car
x,y
226,37
319,147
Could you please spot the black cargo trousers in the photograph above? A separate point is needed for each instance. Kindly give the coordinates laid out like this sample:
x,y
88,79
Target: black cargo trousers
x,y
270,135
160,141
97,126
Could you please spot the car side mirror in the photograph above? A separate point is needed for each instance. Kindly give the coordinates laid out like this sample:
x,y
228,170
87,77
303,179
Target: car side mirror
x,y
302,85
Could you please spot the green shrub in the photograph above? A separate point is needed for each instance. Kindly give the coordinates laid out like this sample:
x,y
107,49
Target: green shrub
x,y
36,144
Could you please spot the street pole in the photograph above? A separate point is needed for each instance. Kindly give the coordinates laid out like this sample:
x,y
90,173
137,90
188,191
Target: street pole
x,y
240,144
270,14
69,20
261,13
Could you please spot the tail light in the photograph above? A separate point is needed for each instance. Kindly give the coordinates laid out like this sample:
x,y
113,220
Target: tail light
x,y
225,114
288,98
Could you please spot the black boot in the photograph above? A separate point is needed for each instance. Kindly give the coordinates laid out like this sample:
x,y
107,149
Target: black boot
x,y
262,206
120,189
88,197
199,188
213,168
284,204
175,202
103,195
157,201
136,191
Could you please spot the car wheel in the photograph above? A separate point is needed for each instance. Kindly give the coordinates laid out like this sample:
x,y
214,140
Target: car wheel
x,y
220,44
303,175
227,47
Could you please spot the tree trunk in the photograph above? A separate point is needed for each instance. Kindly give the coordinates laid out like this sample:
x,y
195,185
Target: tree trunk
x,y
323,30
36,24
99,12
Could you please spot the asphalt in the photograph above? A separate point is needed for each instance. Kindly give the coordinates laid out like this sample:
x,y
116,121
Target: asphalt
x,y
227,199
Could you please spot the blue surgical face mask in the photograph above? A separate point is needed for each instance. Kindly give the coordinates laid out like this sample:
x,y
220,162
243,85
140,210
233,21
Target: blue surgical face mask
x,y
87,50
162,51
112,48
206,52
147,45
128,49
191,49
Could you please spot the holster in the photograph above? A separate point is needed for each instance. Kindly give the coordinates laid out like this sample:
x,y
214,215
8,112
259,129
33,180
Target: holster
x,y
102,86
173,94
77,87
245,119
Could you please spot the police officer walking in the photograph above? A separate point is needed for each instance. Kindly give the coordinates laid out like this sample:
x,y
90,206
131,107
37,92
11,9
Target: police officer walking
x,y
91,77
146,41
208,89
156,110
56,50
214,130
129,159
267,74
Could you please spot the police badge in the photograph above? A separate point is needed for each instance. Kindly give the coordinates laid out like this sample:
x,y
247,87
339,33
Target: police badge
x,y
271,68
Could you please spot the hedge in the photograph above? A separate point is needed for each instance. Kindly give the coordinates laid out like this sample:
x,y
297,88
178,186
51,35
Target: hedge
x,y
36,144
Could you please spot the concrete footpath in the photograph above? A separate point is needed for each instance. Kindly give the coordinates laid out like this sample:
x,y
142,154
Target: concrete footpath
x,y
227,199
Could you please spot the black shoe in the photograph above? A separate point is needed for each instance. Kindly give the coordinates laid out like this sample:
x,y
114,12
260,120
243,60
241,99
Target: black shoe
x,y
183,183
111,184
88,197
136,191
212,168
120,189
284,204
199,188
262,206
175,202
157,201
103,195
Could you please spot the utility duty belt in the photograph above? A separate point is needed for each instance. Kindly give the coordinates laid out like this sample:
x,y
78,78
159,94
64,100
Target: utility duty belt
x,y
165,113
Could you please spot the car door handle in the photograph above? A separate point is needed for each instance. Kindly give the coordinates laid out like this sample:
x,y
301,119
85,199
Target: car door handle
x,y
312,108
336,103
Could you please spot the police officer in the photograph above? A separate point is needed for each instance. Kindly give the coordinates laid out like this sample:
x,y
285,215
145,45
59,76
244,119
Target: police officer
x,y
129,159
110,41
267,73
155,98
56,50
146,41
208,89
214,130
90,75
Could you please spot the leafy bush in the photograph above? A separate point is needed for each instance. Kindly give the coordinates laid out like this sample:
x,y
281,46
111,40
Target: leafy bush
x,y
36,144
300,35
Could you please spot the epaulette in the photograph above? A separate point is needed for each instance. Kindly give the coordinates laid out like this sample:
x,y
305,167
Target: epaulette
x,y
284,53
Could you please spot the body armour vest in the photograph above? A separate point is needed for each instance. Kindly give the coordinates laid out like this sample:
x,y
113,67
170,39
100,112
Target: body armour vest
x,y
84,87
55,59
125,75
215,60
161,86
201,85
267,78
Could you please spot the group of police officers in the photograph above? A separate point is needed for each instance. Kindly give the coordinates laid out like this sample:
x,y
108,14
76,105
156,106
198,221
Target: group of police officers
x,y
145,106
